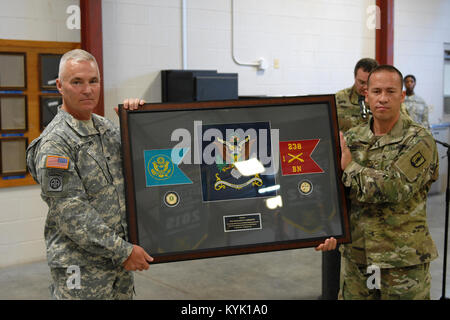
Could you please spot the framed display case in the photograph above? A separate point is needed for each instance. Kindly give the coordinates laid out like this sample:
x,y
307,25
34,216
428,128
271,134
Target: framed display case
x,y
13,113
48,108
48,70
12,156
208,179
13,74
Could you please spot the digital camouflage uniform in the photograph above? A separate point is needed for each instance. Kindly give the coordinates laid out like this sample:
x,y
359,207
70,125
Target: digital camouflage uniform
x,y
79,167
417,109
348,110
389,179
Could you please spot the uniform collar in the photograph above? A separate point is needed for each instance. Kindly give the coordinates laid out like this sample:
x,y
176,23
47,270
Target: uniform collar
x,y
354,95
395,135
81,128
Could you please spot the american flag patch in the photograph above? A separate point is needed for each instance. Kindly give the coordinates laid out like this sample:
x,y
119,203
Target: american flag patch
x,y
57,162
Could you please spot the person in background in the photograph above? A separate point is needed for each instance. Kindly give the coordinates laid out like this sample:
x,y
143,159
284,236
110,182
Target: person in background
x,y
416,106
77,162
349,101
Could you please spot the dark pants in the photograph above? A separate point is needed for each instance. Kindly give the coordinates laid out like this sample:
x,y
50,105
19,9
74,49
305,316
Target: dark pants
x,y
331,269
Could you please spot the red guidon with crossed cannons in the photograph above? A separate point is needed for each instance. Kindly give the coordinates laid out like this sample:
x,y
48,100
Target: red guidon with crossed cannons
x,y
296,158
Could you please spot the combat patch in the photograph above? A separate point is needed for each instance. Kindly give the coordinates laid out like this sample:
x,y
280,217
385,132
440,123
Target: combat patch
x,y
415,161
55,183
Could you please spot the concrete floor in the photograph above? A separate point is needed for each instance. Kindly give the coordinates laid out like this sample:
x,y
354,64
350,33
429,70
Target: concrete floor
x,y
282,275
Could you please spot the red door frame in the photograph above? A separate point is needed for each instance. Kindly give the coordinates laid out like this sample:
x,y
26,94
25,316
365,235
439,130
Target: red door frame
x,y
384,37
92,40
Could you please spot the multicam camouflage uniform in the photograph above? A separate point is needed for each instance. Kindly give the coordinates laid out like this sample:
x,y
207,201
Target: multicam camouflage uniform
x,y
79,167
348,111
407,283
417,109
389,178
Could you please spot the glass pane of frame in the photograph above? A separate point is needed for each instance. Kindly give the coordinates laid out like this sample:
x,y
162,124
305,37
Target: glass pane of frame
x,y
12,70
190,194
13,113
49,109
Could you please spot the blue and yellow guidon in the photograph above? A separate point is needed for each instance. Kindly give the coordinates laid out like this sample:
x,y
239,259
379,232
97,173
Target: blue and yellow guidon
x,y
161,168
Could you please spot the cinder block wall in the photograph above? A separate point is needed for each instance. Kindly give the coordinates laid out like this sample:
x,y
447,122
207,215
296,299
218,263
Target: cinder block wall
x,y
316,43
421,29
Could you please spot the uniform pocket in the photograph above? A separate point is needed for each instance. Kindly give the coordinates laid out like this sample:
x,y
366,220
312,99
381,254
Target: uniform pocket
x,y
93,169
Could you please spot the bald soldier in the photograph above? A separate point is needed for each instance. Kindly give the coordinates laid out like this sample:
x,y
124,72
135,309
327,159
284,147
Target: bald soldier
x,y
389,164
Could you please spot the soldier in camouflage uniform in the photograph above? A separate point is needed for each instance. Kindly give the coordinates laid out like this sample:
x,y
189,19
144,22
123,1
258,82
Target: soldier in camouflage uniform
x,y
347,105
416,106
77,161
389,165
349,116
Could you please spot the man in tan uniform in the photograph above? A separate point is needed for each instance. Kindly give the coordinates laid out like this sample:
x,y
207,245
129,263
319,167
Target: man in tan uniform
x,y
347,100
389,164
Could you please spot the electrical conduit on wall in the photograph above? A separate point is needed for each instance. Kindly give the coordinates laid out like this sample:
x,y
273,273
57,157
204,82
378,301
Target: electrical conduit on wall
x,y
260,64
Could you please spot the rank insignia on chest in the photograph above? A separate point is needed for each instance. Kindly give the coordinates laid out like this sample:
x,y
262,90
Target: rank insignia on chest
x,y
417,160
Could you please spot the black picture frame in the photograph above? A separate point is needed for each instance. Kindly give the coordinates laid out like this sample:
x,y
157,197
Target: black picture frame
x,y
48,108
183,219
48,70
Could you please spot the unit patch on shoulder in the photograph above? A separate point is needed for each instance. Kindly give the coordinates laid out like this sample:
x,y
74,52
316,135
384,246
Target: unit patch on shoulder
x,y
57,162
415,161
55,183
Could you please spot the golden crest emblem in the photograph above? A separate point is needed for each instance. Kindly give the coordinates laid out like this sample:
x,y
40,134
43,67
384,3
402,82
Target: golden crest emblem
x,y
305,187
160,167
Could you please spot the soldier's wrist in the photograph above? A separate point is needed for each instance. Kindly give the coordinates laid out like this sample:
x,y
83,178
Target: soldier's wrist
x,y
350,172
